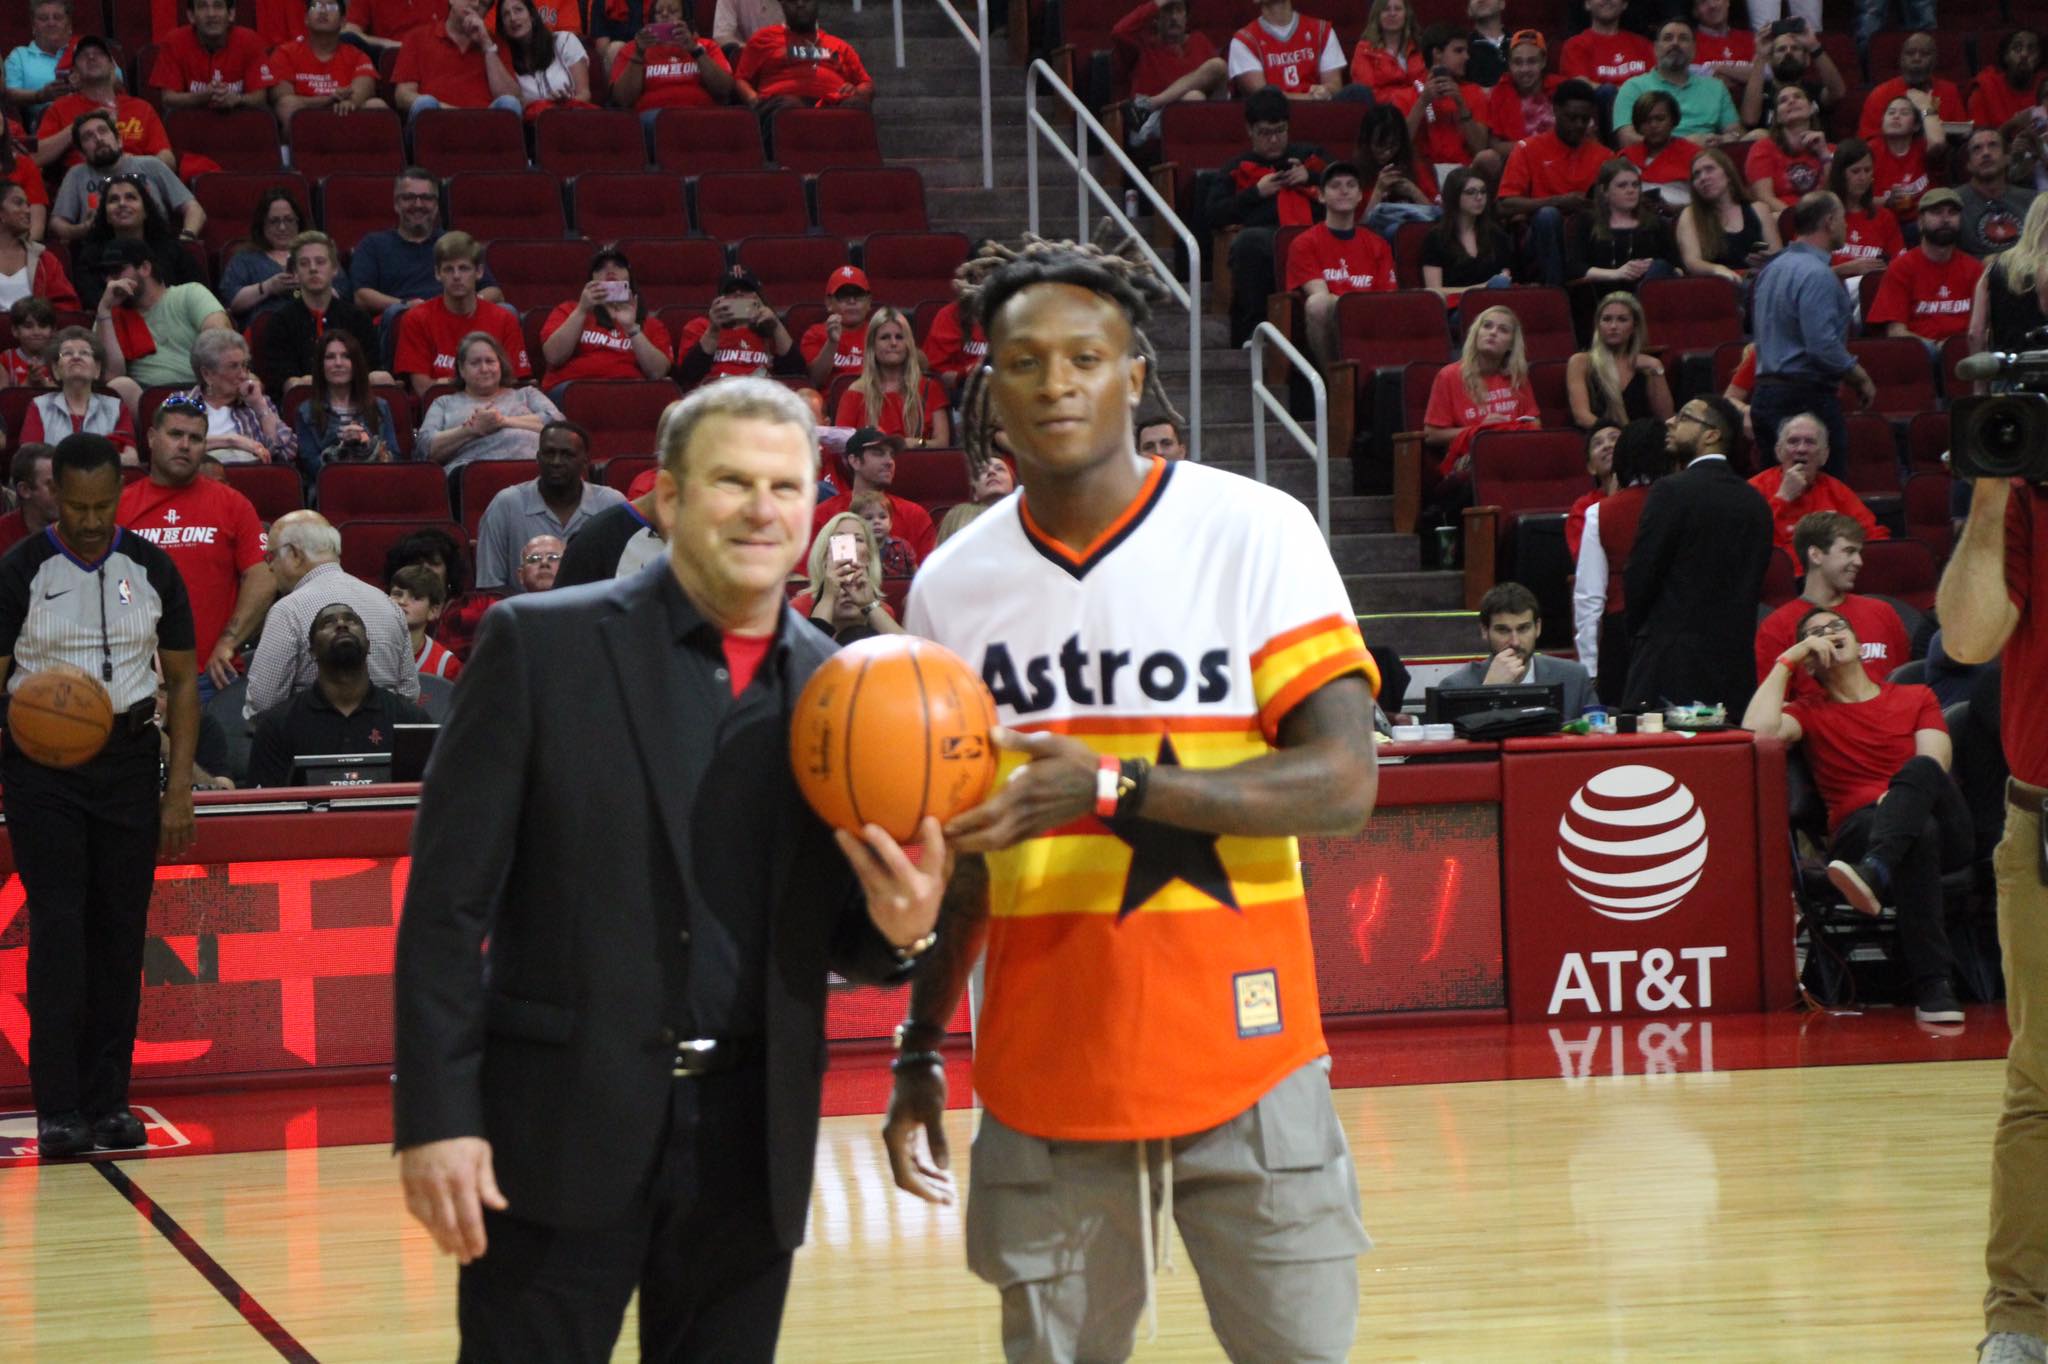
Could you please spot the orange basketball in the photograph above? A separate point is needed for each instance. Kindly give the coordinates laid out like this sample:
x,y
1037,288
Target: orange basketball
x,y
60,717
892,729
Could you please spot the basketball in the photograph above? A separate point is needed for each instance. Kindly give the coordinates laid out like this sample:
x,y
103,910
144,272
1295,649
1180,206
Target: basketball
x,y
60,717
892,729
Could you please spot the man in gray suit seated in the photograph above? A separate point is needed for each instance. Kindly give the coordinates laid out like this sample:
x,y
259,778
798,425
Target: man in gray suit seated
x,y
1510,621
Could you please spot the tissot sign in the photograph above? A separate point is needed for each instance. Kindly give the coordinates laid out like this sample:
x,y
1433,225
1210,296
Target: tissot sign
x,y
1634,877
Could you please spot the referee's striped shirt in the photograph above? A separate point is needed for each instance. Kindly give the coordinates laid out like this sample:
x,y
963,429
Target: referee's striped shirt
x,y
107,618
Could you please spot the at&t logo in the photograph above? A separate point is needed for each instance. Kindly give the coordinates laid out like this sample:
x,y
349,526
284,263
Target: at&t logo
x,y
1632,842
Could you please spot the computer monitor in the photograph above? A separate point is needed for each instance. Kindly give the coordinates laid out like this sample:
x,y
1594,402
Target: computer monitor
x,y
410,745
340,769
1446,704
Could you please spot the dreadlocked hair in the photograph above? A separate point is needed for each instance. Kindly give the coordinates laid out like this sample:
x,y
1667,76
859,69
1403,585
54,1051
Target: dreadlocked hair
x,y
996,273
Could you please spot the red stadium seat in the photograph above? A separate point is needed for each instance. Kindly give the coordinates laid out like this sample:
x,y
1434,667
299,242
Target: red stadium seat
x,y
1927,442
932,478
1686,315
490,204
609,205
451,141
694,142
1518,476
1381,340
1408,240
1195,137
853,203
531,323
792,267
478,483
1553,397
539,274
355,204
1332,125
240,139
621,470
230,197
906,268
1899,568
1953,352
1902,372
736,204
579,141
366,142
621,416
1780,583
811,140
1927,514
365,543
1727,359
274,488
1871,463
1545,315
1950,58
675,274
383,492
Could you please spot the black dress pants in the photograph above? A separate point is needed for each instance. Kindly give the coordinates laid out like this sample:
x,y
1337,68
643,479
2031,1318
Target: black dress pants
x,y
700,1246
84,841
1919,830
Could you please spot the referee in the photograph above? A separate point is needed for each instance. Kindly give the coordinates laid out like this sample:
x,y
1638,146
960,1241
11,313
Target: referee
x,y
88,596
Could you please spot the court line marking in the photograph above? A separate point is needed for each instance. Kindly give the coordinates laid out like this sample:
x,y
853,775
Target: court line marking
x,y
210,1269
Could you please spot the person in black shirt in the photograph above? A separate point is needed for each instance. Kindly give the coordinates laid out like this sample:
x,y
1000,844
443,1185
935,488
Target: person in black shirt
x,y
1271,185
1623,241
616,543
342,712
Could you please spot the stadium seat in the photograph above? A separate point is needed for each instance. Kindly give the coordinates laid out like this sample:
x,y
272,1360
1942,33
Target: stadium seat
x,y
621,416
906,268
383,492
532,321
1902,372
1780,581
791,267
355,204
1871,463
491,204
1727,359
1545,315
483,480
1518,476
811,140
366,142
765,203
932,478
675,274
364,543
451,141
1899,568
1927,514
274,488
620,470
694,142
229,198
1953,352
1408,240
240,139
1195,137
855,202
1687,319
1332,125
1950,58
1375,332
579,141
1927,442
608,205
1553,396
539,274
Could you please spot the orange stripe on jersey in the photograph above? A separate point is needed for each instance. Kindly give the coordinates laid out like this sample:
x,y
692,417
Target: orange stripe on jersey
x,y
1297,663
1115,528
1082,725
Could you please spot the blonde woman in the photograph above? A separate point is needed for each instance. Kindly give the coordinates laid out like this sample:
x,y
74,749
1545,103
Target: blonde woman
x,y
1612,380
893,393
844,596
2012,294
1388,56
1487,385
1720,233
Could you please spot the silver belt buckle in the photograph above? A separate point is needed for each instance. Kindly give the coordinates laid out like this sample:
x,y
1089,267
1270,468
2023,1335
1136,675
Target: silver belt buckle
x,y
693,1056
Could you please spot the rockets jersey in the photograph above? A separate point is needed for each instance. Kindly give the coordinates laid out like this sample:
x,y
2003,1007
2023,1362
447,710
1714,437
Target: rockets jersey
x,y
1142,980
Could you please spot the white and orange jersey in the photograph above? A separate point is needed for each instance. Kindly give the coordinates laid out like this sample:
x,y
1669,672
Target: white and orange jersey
x,y
1146,981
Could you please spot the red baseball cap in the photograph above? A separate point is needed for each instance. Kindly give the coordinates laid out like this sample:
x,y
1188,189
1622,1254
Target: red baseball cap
x,y
847,277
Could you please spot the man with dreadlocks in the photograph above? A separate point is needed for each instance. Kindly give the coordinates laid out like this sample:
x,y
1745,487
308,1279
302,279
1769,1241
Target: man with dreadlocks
x,y
1150,1035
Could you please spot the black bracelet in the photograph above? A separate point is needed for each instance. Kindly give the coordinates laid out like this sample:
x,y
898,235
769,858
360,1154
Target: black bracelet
x,y
911,1060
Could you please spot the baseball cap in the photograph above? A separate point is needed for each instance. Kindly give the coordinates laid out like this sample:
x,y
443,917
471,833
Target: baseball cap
x,y
739,280
847,277
86,40
1935,198
867,436
610,253
1336,168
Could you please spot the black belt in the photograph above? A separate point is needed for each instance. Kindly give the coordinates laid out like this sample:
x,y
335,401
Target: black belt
x,y
693,1056
131,723
1800,380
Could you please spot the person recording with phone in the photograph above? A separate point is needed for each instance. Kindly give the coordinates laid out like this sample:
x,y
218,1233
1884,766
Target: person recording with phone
x,y
844,596
742,335
605,332
667,66
1992,600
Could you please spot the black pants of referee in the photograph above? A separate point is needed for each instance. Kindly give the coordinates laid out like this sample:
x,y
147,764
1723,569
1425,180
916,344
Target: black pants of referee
x,y
85,844
700,1245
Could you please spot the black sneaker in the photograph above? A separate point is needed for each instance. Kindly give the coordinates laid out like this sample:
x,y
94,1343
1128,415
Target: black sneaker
x,y
62,1134
1938,1004
1862,884
120,1131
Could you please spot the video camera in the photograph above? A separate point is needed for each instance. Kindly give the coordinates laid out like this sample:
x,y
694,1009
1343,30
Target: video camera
x,y
2004,435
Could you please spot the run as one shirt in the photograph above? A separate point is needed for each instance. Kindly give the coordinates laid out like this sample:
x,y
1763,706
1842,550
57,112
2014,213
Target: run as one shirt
x,y
845,360
1145,981
1856,747
1714,54
1606,58
142,132
211,532
1908,173
741,350
1932,300
669,76
297,65
602,352
57,609
1880,636
428,335
1870,234
814,69
1348,262
1292,59
242,64
950,349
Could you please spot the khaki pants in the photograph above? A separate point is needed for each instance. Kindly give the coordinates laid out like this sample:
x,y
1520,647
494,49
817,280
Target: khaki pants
x,y
1267,1204
2016,1255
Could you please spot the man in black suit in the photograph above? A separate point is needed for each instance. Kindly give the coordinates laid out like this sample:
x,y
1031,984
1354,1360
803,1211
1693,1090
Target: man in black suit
x,y
1697,570
622,1090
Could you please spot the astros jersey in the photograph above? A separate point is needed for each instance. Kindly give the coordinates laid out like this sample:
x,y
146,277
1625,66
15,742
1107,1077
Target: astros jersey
x,y
1145,981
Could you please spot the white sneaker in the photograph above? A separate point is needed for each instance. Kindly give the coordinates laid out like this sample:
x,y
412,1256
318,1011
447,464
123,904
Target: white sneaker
x,y
2011,1347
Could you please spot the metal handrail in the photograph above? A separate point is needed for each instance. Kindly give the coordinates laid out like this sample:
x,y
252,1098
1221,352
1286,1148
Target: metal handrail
x,y
977,42
1076,157
1317,445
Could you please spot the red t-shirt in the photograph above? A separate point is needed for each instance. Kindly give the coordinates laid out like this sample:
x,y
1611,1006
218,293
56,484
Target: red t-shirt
x,y
430,59
242,64
1672,166
1542,167
602,352
815,68
297,65
1290,63
1450,404
1791,177
1442,138
740,349
1825,493
1513,117
1870,234
854,412
1150,65
947,350
846,360
1606,58
1880,636
1946,97
211,533
1994,102
1932,300
1358,260
428,335
142,132
1716,52
276,21
2022,719
393,19
1855,748
1908,172
668,76
908,522
1383,71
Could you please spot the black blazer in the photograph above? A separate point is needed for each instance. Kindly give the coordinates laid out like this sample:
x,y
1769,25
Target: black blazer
x,y
1693,581
551,823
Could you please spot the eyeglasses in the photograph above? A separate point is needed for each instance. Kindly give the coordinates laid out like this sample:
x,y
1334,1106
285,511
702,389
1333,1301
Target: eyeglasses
x,y
1833,627
426,197
537,559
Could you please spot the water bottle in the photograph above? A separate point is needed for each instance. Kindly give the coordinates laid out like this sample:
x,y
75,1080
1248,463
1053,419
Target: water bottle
x,y
1131,204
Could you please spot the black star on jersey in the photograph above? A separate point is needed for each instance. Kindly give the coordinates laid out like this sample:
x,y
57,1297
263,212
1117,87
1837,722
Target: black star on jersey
x,y
1162,854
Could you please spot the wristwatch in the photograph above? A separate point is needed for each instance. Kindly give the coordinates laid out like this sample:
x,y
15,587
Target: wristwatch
x,y
917,949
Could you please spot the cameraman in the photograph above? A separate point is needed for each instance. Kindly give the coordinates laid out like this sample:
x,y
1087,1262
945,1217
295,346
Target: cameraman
x,y
742,335
1993,596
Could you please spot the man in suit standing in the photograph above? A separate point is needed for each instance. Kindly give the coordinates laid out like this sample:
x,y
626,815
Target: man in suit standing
x,y
1510,620
622,1090
1697,570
